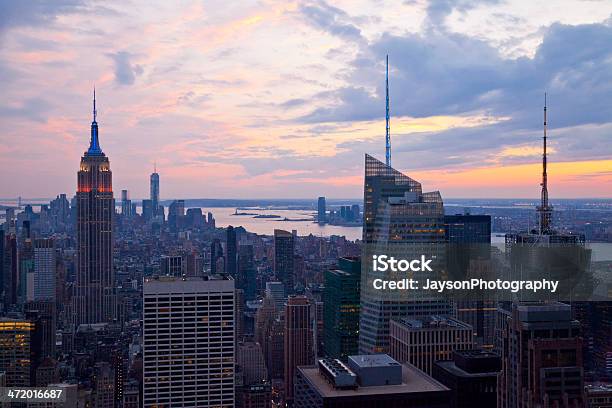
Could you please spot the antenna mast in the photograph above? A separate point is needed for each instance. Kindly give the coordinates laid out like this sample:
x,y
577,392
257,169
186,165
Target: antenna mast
x,y
388,135
95,113
544,209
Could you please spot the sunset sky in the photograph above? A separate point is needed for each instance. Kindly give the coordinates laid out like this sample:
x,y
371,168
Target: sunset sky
x,y
281,99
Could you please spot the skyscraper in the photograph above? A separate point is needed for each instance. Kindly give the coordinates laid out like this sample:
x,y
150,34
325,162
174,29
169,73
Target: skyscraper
x,y
154,191
15,345
298,340
249,357
172,266
276,292
275,348
103,385
94,298
263,320
147,210
321,211
176,214
468,249
341,309
472,378
467,228
421,342
25,278
246,275
45,268
42,337
398,218
231,252
216,257
542,362
2,271
126,204
284,249
188,345
254,391
10,271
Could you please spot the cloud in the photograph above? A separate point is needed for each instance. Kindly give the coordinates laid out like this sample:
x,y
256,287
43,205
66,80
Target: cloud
x,y
438,10
33,109
125,71
446,73
293,103
331,19
31,12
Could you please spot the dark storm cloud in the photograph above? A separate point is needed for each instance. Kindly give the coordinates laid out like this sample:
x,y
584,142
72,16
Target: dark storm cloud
x,y
125,71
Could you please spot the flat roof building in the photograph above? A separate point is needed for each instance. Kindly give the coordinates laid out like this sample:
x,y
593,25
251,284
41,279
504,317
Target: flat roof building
x,y
472,377
423,341
405,386
188,344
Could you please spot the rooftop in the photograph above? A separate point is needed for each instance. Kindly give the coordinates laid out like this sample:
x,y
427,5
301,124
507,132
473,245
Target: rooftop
x,y
433,321
174,284
413,381
373,360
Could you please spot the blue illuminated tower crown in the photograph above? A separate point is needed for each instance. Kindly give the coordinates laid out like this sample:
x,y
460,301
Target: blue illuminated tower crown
x,y
94,144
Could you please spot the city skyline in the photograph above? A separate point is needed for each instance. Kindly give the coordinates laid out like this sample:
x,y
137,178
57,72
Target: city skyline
x,y
191,97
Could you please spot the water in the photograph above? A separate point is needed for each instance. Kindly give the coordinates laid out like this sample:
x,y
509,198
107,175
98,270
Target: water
x,y
266,226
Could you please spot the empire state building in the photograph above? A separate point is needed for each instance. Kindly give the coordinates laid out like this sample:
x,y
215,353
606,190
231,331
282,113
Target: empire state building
x,y
94,297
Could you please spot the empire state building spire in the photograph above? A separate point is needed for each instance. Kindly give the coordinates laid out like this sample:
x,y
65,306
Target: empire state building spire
x,y
94,143
94,299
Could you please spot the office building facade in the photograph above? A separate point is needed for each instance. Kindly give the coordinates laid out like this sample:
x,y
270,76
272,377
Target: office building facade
x,y
541,357
284,251
399,217
321,210
298,340
188,346
341,309
15,349
422,342
45,270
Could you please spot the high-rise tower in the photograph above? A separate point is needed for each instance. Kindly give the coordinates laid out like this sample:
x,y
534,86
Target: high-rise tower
x,y
284,265
94,298
155,191
189,347
298,340
544,209
399,218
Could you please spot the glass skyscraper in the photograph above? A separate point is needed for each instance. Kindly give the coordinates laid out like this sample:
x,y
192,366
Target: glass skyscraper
x,y
341,309
154,196
398,219
284,250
